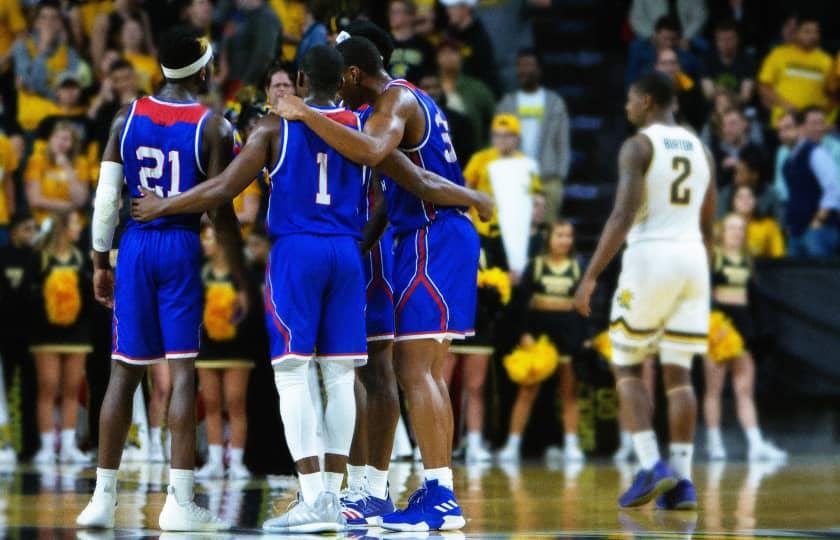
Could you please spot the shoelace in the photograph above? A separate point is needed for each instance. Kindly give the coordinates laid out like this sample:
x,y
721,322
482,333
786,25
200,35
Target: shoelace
x,y
200,513
417,498
355,495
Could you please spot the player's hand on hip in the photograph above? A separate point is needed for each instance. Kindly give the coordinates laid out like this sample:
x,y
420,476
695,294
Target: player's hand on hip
x,y
485,206
147,207
290,108
103,286
583,296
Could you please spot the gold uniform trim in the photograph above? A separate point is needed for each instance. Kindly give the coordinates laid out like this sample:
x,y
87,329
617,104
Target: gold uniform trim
x,y
621,325
225,364
60,348
685,337
471,349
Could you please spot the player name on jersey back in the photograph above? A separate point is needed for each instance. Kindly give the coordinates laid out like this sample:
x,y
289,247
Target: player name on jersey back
x,y
675,186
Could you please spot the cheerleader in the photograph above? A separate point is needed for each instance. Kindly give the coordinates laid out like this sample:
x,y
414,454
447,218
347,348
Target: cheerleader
x,y
224,365
61,337
548,287
730,277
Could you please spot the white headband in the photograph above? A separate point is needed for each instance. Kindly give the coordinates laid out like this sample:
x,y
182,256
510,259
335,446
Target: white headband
x,y
342,36
192,69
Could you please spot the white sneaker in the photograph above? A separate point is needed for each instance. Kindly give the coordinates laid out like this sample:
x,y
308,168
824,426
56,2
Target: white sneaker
x,y
478,454
44,456
73,455
238,471
8,455
574,454
156,454
624,454
508,454
176,516
767,451
716,452
323,516
99,512
554,453
211,470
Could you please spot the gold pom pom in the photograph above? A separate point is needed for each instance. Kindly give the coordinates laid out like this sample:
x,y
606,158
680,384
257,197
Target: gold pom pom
x,y
62,296
534,364
498,279
219,311
601,344
725,343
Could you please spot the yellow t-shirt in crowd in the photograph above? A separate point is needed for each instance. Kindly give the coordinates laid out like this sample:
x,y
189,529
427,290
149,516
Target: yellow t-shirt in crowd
x,y
11,24
92,9
8,165
252,189
764,238
477,176
291,14
797,75
148,70
55,182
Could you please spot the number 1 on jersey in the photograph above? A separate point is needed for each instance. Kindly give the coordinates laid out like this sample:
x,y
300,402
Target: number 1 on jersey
x,y
323,196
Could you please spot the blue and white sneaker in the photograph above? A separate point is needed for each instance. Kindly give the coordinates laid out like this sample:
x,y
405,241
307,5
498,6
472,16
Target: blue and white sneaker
x,y
682,497
360,508
431,508
648,485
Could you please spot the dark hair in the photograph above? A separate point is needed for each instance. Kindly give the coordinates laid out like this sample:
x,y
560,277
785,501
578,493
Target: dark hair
x,y
807,18
249,113
120,63
47,4
180,46
668,22
726,25
801,115
561,222
658,86
323,67
362,53
379,37
275,68
752,157
21,216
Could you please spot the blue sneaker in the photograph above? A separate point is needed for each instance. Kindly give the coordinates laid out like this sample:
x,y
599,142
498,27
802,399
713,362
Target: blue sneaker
x,y
431,508
648,485
360,508
681,497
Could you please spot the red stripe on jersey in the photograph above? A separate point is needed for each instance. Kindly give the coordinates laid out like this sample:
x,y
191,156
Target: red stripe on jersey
x,y
164,114
347,118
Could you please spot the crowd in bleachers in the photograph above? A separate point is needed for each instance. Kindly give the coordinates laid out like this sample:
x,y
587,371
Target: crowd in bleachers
x,y
761,90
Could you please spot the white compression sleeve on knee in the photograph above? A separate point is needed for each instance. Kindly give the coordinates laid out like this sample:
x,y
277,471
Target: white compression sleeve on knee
x,y
674,357
297,411
106,206
340,416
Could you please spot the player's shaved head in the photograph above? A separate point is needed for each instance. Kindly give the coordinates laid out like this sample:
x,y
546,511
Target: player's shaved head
x,y
323,66
379,37
658,86
361,53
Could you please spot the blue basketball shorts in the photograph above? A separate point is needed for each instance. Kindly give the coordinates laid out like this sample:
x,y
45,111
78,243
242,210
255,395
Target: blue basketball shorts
x,y
378,267
435,272
158,296
315,300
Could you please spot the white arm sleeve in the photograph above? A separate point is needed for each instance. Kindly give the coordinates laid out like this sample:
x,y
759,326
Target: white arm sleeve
x,y
106,206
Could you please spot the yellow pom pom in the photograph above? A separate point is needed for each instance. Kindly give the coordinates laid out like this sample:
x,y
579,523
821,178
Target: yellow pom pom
x,y
534,364
601,344
219,308
62,296
498,279
725,343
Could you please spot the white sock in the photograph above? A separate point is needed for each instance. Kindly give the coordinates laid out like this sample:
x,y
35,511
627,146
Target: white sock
x,y
236,455
182,482
355,476
215,453
442,474
311,485
474,439
754,438
68,439
514,441
571,440
106,481
625,439
378,481
154,436
333,481
48,440
681,454
713,437
647,449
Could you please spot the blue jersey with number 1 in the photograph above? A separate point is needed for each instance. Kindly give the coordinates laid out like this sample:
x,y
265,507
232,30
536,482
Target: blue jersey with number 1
x,y
161,150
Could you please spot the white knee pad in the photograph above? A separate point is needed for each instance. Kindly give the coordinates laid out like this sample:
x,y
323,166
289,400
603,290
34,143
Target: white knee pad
x,y
340,415
298,411
675,357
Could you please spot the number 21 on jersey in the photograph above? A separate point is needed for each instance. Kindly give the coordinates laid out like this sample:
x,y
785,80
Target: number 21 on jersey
x,y
150,176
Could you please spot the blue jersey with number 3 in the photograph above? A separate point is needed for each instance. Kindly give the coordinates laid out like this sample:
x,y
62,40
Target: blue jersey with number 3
x,y
435,153
160,148
314,189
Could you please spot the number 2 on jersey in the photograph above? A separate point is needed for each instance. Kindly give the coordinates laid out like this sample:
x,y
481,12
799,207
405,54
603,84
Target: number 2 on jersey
x,y
155,172
679,194
323,196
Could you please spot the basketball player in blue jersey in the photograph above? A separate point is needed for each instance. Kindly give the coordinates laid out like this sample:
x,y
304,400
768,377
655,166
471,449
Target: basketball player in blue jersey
x,y
314,287
167,143
435,261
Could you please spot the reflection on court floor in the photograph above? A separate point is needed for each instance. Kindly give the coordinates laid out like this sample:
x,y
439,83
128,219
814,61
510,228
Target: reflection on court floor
x,y
800,499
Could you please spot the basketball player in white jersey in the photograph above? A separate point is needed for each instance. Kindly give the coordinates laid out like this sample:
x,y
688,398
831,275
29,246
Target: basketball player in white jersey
x,y
664,209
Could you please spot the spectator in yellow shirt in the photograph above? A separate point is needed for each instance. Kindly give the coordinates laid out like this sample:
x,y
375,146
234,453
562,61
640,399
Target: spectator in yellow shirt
x,y
795,75
59,178
764,235
8,165
134,50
